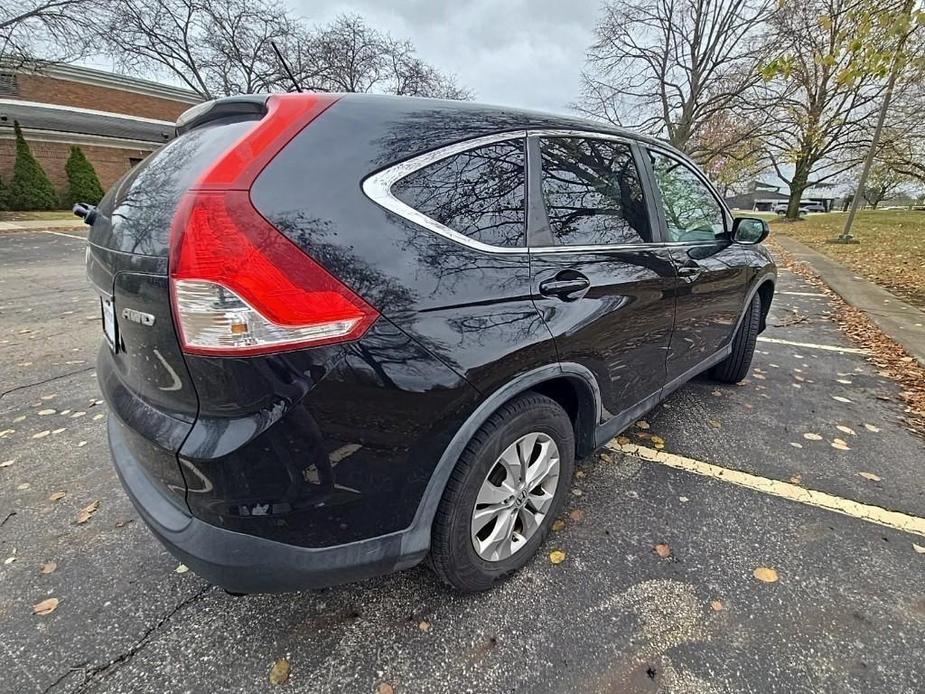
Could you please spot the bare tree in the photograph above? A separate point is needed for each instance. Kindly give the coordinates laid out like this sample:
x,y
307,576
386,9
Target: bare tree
x,y
826,91
35,31
672,67
350,56
223,47
213,47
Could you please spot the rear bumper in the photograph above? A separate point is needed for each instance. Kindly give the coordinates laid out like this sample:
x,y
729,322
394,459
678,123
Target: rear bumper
x,y
244,563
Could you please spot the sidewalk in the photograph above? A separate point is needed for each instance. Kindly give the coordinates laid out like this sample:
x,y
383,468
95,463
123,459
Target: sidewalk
x,y
902,322
39,224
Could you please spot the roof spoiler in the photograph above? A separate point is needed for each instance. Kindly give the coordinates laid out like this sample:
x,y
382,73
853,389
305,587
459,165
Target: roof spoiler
x,y
248,105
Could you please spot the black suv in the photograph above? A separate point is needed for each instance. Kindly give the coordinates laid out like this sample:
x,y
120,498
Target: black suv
x,y
346,333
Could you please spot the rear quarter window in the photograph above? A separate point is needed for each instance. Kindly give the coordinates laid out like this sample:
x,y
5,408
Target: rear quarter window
x,y
478,193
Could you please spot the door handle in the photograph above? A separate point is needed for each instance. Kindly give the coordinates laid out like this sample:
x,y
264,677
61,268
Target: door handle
x,y
567,285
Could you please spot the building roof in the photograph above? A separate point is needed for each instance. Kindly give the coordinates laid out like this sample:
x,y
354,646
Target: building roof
x,y
53,119
112,80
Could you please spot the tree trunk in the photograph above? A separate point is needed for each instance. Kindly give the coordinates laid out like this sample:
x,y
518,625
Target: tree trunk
x,y
798,184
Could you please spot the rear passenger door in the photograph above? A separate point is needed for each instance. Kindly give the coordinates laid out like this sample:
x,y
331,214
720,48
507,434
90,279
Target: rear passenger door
x,y
711,268
600,278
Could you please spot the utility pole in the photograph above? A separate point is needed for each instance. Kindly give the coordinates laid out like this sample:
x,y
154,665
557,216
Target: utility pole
x,y
895,68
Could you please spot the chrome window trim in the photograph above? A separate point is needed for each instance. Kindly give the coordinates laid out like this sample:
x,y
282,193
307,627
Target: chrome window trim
x,y
378,188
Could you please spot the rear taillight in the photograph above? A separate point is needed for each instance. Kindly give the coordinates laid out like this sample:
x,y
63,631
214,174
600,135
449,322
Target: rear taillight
x,y
238,285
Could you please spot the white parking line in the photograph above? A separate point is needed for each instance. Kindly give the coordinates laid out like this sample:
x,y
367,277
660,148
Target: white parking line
x,y
810,345
802,293
61,233
785,490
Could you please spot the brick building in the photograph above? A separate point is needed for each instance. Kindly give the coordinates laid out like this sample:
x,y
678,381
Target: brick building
x,y
116,120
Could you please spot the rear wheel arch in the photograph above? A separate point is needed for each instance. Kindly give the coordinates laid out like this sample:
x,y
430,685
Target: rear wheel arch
x,y
765,292
573,383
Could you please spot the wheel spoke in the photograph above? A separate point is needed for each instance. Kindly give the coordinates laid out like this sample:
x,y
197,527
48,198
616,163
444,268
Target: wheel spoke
x,y
525,452
510,460
530,521
545,462
490,494
499,537
483,516
540,501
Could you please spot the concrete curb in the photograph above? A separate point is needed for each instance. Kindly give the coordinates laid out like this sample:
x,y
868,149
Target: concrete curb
x,y
43,225
902,322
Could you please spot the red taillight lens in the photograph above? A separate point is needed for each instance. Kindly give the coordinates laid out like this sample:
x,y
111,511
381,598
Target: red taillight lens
x,y
239,286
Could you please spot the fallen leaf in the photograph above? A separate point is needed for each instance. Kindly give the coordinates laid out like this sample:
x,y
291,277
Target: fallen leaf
x,y
716,606
658,442
871,427
662,549
870,476
765,574
41,434
279,672
23,486
642,424
48,567
839,398
580,473
45,607
683,499
385,688
577,492
918,548
123,523
181,569
717,393
713,423
840,445
44,413
8,561
7,463
796,479
558,525
846,430
57,496
81,444
424,625
844,380
796,445
86,513
577,515
759,377
557,556
812,437
623,440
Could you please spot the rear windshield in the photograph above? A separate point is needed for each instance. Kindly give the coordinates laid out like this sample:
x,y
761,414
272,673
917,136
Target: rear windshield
x,y
135,214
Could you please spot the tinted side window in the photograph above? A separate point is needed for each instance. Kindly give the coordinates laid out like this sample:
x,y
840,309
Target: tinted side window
x,y
479,193
593,193
692,213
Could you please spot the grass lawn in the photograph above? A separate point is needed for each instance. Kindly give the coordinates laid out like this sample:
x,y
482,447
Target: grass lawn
x,y
47,214
891,252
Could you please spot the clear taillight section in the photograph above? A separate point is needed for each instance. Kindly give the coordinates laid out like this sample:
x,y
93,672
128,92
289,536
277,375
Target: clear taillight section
x,y
215,319
238,285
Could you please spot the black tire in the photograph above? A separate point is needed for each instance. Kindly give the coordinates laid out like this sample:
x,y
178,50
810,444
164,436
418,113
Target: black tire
x,y
452,555
735,367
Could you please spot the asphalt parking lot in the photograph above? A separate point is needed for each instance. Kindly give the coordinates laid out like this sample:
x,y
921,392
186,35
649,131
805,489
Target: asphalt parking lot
x,y
847,613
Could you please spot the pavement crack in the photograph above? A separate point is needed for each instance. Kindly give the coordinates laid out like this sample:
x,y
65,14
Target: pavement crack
x,y
47,380
95,674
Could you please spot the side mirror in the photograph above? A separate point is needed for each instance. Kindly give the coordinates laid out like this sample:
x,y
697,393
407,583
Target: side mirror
x,y
749,230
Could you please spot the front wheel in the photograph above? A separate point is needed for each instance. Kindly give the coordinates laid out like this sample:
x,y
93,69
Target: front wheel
x,y
509,484
733,368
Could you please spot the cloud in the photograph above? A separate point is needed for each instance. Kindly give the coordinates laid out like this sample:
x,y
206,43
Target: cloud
x,y
523,53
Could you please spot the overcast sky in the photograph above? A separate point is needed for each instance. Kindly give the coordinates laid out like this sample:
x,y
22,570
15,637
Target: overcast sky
x,y
525,53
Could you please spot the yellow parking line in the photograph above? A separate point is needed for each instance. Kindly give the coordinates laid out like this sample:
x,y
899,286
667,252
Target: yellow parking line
x,y
811,345
785,490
